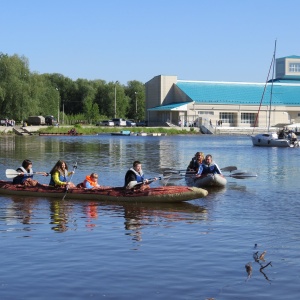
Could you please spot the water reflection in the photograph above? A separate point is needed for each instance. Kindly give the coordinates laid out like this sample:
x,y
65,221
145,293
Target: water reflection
x,y
69,215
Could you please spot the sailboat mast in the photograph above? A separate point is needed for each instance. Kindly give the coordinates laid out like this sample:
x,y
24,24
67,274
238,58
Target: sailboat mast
x,y
271,93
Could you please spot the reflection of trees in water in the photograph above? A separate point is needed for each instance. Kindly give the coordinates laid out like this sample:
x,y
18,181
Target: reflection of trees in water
x,y
138,216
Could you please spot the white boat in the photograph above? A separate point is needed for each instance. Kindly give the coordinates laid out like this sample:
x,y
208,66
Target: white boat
x,y
270,139
211,180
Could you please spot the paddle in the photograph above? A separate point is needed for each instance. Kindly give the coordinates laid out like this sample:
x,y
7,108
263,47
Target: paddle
x,y
133,184
11,173
236,175
67,186
174,171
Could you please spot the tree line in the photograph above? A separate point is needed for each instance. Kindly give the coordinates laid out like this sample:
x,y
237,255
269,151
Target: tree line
x,y
24,93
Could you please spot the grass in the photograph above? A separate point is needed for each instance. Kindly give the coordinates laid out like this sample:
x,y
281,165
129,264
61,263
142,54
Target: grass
x,y
91,130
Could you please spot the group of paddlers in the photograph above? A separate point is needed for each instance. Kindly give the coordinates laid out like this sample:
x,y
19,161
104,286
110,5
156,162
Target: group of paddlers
x,y
202,166
60,174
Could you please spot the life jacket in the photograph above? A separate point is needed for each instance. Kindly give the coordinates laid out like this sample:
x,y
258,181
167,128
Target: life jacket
x,y
90,181
139,176
62,177
205,169
20,178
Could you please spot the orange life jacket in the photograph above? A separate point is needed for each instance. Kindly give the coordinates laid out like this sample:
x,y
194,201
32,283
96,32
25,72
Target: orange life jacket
x,y
90,181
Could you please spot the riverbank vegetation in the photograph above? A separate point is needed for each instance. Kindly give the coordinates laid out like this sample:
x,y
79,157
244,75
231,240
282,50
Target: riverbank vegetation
x,y
92,130
24,93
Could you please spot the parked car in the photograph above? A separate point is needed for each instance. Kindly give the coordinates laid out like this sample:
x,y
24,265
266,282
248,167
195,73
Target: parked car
x,y
142,123
105,123
119,122
130,123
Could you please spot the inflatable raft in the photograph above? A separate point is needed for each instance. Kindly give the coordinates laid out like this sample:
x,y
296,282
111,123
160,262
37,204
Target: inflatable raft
x,y
108,194
211,180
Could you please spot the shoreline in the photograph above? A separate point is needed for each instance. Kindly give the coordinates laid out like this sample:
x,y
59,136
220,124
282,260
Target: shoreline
x,y
217,130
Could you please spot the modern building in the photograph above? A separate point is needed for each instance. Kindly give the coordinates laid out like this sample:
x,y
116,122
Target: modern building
x,y
235,104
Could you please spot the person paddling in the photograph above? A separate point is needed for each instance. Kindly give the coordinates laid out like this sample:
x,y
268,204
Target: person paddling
x,y
208,167
59,175
134,177
25,176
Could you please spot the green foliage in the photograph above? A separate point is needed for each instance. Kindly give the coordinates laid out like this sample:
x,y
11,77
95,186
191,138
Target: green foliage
x,y
23,94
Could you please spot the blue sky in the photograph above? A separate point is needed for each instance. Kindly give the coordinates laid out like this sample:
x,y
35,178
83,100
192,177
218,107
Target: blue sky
x,y
127,40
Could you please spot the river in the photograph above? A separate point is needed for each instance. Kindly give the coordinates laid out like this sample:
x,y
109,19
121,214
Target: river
x,y
54,249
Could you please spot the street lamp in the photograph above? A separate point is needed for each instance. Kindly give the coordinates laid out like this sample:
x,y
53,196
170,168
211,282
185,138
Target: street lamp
x,y
116,98
58,107
135,102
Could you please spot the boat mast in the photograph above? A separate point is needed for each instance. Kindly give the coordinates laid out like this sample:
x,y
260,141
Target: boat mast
x,y
271,93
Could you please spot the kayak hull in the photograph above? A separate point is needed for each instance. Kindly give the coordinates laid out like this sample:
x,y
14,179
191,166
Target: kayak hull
x,y
212,180
107,194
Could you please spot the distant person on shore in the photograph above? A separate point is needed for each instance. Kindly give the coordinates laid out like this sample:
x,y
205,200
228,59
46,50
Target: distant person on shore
x,y
208,167
25,176
59,175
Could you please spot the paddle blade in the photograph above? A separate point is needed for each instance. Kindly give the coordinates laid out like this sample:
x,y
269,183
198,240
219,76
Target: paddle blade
x,y
11,173
242,175
229,169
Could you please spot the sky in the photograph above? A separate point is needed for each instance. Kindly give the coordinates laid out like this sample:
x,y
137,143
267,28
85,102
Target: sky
x,y
125,40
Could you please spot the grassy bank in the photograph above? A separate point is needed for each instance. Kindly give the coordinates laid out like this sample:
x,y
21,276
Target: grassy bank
x,y
98,130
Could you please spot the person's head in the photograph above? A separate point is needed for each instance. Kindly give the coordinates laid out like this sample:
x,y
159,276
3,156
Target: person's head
x,y
27,164
199,156
94,177
137,165
208,159
62,165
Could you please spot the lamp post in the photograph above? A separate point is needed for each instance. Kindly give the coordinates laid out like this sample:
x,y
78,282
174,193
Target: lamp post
x,y
116,98
135,104
58,107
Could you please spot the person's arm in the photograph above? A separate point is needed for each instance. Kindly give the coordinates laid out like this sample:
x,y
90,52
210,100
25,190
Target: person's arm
x,y
217,169
200,170
56,180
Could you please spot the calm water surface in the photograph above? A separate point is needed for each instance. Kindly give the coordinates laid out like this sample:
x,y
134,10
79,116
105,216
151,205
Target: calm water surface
x,y
54,249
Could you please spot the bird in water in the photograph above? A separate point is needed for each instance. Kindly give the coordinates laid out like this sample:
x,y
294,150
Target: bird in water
x,y
262,256
248,267
255,256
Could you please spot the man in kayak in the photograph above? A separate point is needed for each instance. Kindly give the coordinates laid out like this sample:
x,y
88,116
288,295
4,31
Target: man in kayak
x,y
208,167
134,177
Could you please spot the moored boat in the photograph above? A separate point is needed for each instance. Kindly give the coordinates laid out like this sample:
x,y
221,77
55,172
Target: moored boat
x,y
108,194
122,133
211,180
271,140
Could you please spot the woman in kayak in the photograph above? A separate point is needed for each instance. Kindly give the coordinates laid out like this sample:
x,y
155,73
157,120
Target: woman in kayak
x,y
195,162
25,176
59,175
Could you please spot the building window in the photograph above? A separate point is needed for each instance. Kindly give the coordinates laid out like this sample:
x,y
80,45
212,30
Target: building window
x,y
294,68
226,117
248,118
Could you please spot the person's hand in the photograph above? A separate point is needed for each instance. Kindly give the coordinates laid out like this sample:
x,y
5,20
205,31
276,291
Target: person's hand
x,y
145,181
